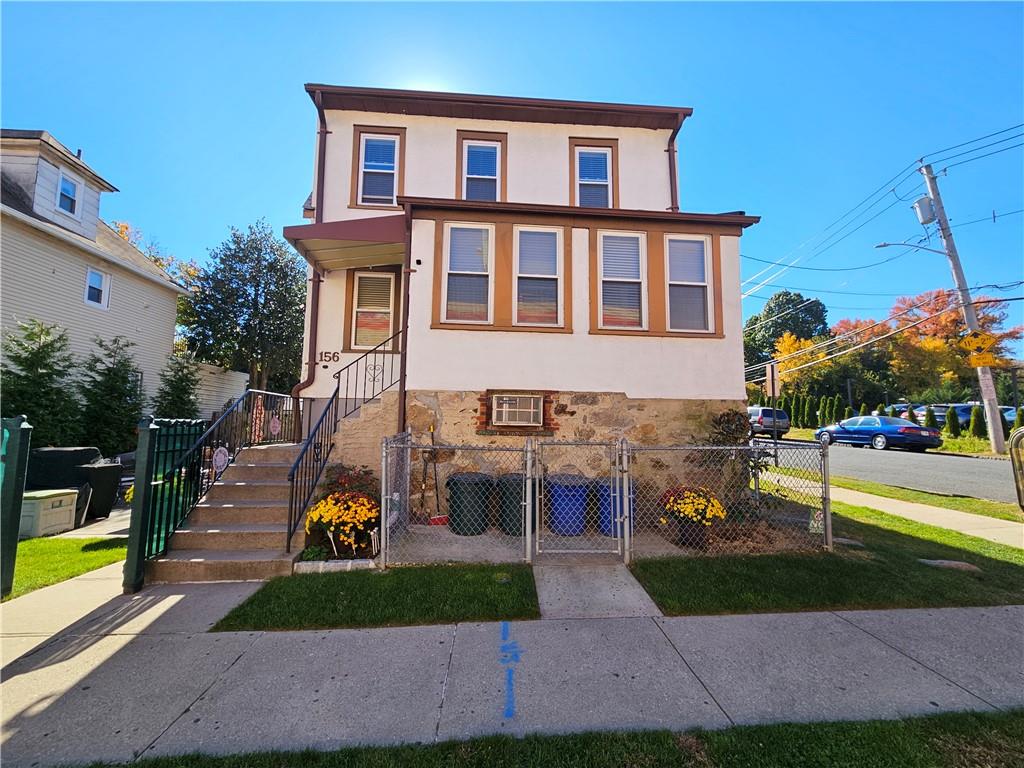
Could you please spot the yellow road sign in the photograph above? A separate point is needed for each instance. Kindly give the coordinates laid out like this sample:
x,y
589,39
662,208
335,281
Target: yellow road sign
x,y
977,342
983,360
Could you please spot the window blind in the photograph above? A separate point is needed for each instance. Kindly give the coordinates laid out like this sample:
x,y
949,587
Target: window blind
x,y
621,282
468,279
686,261
373,298
481,160
378,171
621,257
593,166
687,290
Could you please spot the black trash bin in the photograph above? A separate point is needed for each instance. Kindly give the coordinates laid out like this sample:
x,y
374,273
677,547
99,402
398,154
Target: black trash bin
x,y
470,498
511,492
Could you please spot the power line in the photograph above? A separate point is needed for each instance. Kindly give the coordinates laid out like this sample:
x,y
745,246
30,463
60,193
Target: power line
x,y
1003,286
980,138
780,314
975,149
979,157
991,218
837,269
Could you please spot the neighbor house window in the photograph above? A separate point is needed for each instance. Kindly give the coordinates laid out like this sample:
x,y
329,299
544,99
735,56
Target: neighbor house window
x,y
468,264
688,295
515,410
372,308
68,195
622,265
594,177
538,273
378,169
97,288
482,164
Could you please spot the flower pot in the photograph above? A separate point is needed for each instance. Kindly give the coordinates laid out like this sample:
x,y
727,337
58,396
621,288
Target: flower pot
x,y
692,534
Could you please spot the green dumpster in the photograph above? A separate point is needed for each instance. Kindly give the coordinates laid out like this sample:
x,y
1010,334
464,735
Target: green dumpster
x,y
470,496
510,491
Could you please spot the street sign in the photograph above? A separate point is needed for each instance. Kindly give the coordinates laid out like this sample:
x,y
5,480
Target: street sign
x,y
772,384
977,342
983,360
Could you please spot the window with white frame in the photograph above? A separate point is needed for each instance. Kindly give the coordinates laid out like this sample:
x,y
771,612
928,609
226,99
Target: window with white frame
x,y
688,284
538,273
68,193
372,308
516,410
97,288
594,177
378,169
481,162
622,266
468,263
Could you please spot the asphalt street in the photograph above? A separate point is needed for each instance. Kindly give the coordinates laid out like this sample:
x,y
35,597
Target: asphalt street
x,y
935,472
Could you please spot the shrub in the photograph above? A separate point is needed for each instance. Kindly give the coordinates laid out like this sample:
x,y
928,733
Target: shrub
x,y
848,413
1018,421
952,426
345,520
892,411
977,425
864,410
178,395
929,418
112,397
810,418
341,478
911,416
880,409
38,382
822,416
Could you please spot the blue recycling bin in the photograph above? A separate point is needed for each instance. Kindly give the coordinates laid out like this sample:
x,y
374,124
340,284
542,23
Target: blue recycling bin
x,y
606,494
569,495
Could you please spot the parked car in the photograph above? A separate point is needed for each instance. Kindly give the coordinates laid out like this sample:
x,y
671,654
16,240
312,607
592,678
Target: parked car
x,y
880,432
765,422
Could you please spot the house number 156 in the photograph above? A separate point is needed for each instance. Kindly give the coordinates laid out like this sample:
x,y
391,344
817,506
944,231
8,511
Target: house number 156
x,y
330,357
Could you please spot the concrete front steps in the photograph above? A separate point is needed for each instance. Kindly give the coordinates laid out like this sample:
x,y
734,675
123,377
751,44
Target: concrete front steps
x,y
237,531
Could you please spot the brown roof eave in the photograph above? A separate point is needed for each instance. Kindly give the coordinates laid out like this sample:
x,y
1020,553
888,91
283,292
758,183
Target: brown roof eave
x,y
486,107
735,218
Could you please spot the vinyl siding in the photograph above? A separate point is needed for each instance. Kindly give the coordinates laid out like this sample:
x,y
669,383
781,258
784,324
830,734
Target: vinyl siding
x,y
21,168
44,278
217,386
46,201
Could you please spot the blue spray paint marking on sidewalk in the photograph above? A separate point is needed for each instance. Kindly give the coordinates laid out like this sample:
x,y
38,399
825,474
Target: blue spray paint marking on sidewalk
x,y
511,654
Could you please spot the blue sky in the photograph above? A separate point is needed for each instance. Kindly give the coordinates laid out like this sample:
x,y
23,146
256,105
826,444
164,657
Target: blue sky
x,y
196,111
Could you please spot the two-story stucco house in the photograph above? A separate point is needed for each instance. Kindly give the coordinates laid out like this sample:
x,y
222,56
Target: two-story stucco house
x,y
62,264
550,282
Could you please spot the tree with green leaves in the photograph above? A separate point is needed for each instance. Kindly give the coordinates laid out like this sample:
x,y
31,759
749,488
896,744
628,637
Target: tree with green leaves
x,y
245,311
893,412
864,411
837,408
178,395
952,426
822,415
785,311
798,410
112,399
39,382
810,420
847,413
911,416
929,418
977,425
880,409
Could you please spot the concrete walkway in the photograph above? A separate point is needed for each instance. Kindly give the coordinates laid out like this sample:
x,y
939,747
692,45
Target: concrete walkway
x,y
141,675
1000,531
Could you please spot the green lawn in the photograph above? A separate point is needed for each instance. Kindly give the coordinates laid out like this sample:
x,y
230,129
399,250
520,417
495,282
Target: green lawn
x,y
396,597
885,574
997,509
46,561
961,740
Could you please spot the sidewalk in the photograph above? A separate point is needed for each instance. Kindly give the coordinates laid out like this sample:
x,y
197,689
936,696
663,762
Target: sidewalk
x,y
1000,531
141,675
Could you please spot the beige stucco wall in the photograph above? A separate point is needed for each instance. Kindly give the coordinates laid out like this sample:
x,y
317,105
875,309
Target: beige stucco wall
x,y
538,160
44,278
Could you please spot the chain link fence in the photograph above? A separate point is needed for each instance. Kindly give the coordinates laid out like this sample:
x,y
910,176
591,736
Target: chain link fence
x,y
475,503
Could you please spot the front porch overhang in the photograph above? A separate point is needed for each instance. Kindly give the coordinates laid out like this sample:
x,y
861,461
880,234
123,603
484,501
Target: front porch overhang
x,y
350,244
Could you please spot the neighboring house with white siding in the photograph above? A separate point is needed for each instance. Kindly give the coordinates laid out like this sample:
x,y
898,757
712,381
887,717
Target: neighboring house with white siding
x,y
62,264
217,388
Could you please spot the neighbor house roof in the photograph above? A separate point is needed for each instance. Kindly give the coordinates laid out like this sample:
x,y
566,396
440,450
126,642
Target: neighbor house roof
x,y
55,152
482,107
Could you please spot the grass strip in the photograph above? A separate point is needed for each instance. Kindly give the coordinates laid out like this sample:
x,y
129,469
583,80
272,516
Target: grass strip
x,y
437,594
884,574
997,509
45,561
959,740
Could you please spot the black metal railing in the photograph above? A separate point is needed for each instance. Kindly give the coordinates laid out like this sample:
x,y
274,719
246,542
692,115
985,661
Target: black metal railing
x,y
359,382
178,460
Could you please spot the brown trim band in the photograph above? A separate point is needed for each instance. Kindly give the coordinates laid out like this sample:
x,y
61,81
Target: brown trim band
x,y
584,143
357,140
461,137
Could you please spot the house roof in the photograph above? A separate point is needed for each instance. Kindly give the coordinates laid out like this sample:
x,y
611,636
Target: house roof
x,y
48,145
350,243
483,107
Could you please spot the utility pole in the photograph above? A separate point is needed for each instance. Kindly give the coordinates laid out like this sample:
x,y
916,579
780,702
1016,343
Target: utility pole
x,y
993,415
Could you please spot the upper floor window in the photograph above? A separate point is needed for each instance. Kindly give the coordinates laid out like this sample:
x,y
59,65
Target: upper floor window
x,y
372,308
594,168
622,266
468,268
538,275
688,294
481,161
68,195
97,288
378,156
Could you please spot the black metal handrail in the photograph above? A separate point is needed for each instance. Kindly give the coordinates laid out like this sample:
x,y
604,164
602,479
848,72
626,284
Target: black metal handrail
x,y
361,381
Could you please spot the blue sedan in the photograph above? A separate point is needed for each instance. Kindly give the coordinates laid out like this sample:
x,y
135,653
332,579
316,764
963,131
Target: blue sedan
x,y
880,432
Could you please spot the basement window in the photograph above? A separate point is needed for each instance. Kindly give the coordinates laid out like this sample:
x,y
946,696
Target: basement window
x,y
516,410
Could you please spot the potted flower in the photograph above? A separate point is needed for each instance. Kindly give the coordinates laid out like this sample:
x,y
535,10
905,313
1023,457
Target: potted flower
x,y
347,521
689,512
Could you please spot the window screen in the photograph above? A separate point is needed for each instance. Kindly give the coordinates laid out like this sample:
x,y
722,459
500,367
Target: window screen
x,y
468,278
372,302
537,277
593,174
481,164
517,410
621,281
378,170
687,285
